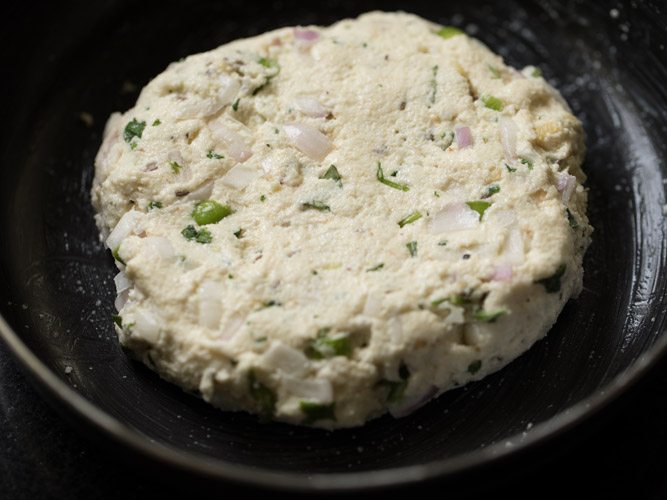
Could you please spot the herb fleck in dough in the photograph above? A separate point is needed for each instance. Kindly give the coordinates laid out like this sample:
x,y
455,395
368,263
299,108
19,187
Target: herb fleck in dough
x,y
320,225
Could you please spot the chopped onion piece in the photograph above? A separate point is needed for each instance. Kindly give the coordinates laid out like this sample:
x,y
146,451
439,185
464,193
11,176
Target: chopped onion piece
x,y
565,185
308,140
410,404
454,217
508,131
202,193
146,326
229,87
310,106
318,389
283,357
463,137
196,107
306,34
210,304
123,229
240,176
161,246
233,142
122,282
121,299
502,272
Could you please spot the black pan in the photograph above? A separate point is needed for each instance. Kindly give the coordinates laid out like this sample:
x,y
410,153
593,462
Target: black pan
x,y
56,290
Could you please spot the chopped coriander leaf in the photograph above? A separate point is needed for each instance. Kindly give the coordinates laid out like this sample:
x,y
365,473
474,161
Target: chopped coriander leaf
x,y
479,207
413,217
317,411
491,190
239,234
442,243
536,73
375,268
202,236
492,102
116,255
328,346
133,129
474,366
133,145
571,220
118,320
315,205
438,302
210,212
235,106
263,396
509,169
449,32
213,155
552,283
175,167
527,161
436,194
459,299
434,84
412,248
262,198
271,303
267,62
332,173
494,71
396,185
156,122
488,316
397,387
154,204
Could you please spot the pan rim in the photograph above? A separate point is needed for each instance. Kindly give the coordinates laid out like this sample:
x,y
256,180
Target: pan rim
x,y
198,465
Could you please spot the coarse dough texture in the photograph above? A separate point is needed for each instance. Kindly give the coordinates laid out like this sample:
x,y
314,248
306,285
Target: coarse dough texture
x,y
397,213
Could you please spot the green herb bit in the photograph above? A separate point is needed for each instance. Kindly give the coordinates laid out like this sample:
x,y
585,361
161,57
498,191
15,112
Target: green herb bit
x,y
118,320
328,346
133,129
552,283
175,167
235,106
509,169
442,243
317,411
571,220
213,155
316,205
267,62
375,268
262,198
527,161
492,102
491,190
434,84
157,122
488,316
494,71
447,32
397,387
116,255
271,303
202,236
474,366
133,145
210,212
536,73
263,396
412,248
154,204
459,299
333,174
413,217
396,185
479,207
239,234
436,194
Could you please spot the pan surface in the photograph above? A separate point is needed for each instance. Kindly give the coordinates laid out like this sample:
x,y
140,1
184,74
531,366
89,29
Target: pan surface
x,y
56,287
